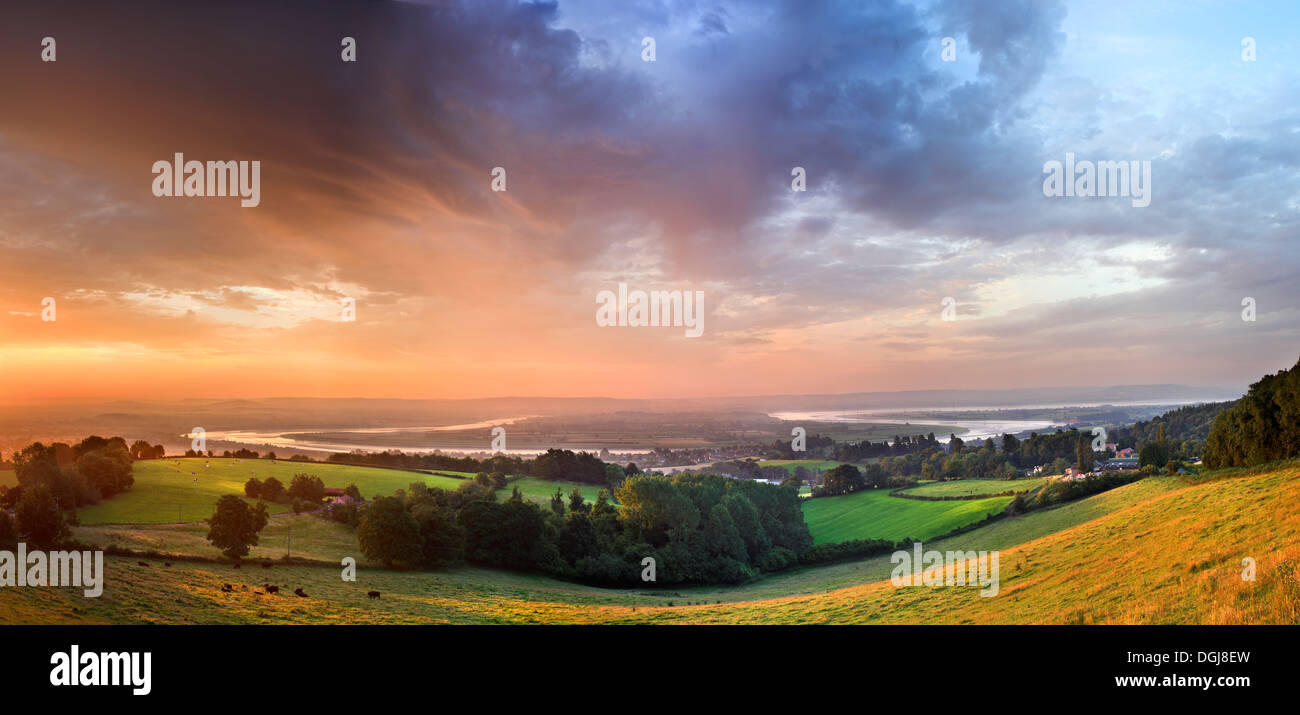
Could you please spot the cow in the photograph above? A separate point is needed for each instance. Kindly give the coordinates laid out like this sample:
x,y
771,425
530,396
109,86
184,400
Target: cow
x,y
266,564
227,588
168,564
272,589
300,593
236,564
141,563
373,594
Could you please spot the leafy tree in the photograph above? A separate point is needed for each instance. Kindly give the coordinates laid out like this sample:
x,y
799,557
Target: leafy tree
x,y
307,487
40,522
253,488
557,501
8,532
843,479
272,490
442,540
234,526
108,469
388,533
353,492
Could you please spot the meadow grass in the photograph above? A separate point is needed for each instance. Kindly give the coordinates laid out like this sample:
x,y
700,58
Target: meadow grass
x,y
874,514
182,489
972,487
791,464
541,490
1159,550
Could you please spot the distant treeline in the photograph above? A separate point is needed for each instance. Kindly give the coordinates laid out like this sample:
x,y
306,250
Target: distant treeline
x,y
554,464
1263,426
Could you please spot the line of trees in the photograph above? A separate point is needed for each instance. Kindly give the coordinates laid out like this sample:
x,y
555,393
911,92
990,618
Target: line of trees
x,y
698,528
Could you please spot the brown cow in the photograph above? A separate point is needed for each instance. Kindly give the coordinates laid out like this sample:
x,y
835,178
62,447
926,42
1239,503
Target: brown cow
x,y
373,594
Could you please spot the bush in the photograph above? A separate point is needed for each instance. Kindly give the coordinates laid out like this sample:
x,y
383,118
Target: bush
x,y
844,550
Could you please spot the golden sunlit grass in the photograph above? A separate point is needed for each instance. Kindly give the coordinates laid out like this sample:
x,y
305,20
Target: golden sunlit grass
x,y
1162,550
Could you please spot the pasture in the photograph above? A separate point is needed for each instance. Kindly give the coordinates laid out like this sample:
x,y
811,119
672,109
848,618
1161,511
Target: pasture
x,y
541,490
183,490
873,514
973,487
791,464
1160,550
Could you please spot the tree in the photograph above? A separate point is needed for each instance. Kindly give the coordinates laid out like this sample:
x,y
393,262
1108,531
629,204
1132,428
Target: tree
x,y
253,488
442,539
141,449
40,522
354,492
307,487
272,490
388,533
1083,454
557,501
234,526
1153,453
108,469
576,501
843,479
8,532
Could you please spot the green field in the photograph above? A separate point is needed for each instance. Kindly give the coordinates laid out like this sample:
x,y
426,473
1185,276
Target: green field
x,y
541,490
1160,550
873,514
972,487
166,490
791,464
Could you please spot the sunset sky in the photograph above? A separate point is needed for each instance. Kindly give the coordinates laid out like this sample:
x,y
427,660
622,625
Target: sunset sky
x,y
924,181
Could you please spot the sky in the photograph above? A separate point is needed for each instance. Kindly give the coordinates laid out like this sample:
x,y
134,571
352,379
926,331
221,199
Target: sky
x,y
924,183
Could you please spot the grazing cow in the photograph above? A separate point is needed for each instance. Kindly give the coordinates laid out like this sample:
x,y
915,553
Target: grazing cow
x,y
300,593
141,563
227,588
168,564
272,589
373,594
266,564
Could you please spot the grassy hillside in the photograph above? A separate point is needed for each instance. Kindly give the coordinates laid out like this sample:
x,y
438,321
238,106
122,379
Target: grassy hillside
x,y
1161,550
873,514
182,489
